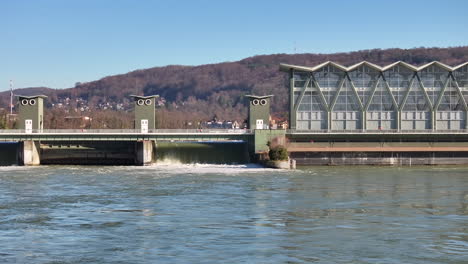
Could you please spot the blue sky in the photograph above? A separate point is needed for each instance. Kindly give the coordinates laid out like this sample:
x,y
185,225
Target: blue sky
x,y
56,43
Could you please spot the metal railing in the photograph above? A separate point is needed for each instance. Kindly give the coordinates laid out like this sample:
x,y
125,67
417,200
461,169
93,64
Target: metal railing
x,y
386,131
126,131
222,131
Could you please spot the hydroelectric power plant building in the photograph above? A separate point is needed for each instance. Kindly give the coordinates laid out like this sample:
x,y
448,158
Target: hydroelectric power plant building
x,y
367,97
368,114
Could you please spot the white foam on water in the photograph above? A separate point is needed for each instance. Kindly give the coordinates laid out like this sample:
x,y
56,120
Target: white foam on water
x,y
169,161
15,168
166,168
196,168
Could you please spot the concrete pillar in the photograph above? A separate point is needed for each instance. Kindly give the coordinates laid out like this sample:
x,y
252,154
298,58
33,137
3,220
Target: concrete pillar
x,y
292,113
292,164
466,120
29,153
398,121
364,120
144,152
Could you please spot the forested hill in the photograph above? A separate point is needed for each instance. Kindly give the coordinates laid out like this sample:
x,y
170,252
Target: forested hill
x,y
201,91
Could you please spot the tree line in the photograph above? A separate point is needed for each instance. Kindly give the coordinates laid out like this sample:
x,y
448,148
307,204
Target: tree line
x,y
198,92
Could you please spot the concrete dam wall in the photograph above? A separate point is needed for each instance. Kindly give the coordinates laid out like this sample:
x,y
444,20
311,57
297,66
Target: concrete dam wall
x,y
121,153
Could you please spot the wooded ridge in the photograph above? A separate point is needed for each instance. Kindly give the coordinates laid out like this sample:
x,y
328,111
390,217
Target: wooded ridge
x,y
194,93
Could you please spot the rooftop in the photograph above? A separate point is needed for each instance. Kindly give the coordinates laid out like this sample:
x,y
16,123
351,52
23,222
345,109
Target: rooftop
x,y
287,67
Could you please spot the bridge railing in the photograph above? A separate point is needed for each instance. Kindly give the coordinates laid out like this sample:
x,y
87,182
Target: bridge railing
x,y
386,131
220,131
125,131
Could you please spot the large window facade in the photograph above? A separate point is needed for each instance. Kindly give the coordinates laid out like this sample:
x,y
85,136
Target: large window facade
x,y
331,97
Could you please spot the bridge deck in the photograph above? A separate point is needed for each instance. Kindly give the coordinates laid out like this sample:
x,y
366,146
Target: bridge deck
x,y
227,135
126,135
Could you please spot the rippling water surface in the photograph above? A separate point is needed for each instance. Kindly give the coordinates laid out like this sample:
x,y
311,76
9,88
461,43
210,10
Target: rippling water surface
x,y
233,214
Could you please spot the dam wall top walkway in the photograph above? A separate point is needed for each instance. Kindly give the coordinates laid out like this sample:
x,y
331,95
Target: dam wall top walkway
x,y
15,135
204,135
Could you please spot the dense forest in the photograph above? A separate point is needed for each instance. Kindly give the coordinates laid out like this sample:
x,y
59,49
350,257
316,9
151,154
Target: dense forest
x,y
194,93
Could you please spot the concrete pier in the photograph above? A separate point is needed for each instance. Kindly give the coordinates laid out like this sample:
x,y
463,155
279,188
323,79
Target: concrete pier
x,y
144,154
29,153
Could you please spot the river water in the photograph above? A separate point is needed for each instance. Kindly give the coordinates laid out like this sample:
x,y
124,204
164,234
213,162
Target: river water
x,y
174,213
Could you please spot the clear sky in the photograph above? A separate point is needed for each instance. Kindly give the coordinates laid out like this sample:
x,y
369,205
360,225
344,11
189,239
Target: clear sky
x,y
56,43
